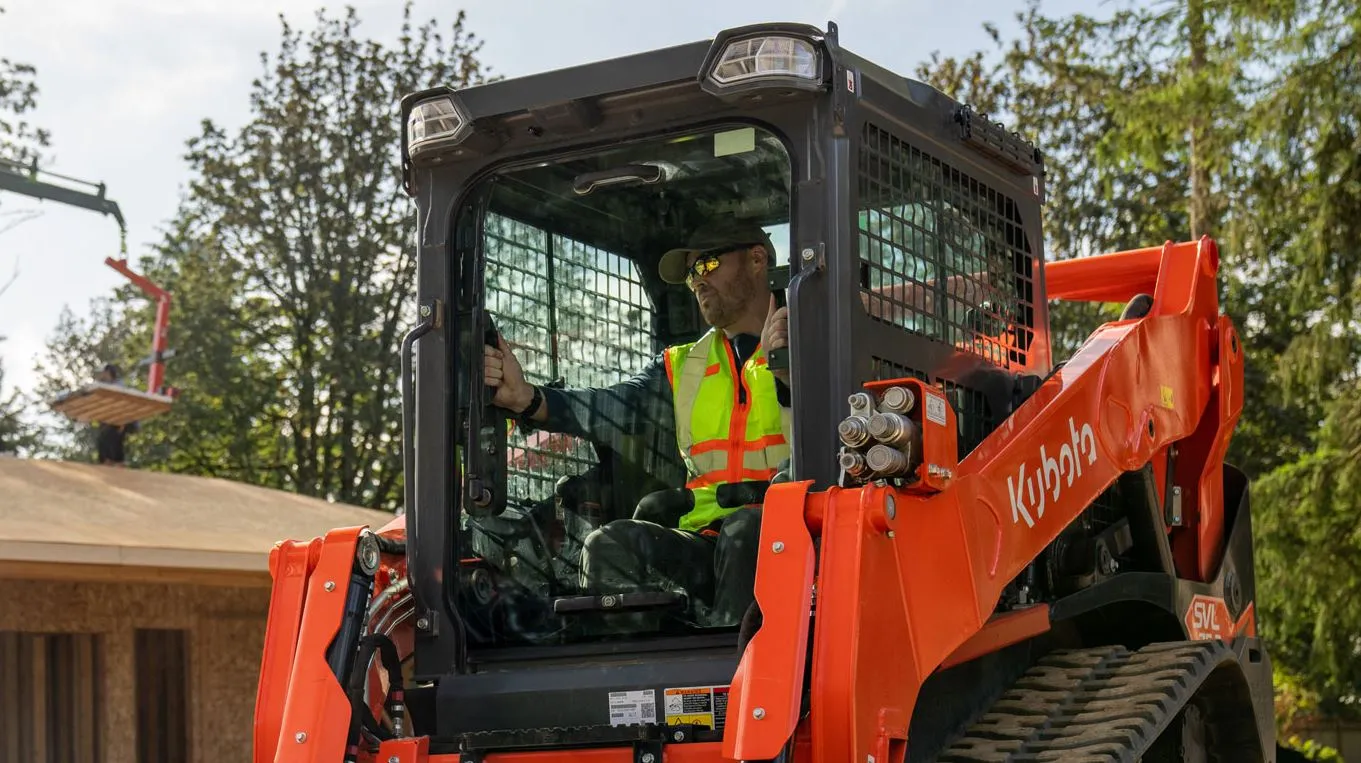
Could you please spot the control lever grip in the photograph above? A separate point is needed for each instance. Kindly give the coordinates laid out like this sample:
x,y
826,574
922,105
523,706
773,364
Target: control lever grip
x,y
486,462
665,507
778,280
491,337
733,495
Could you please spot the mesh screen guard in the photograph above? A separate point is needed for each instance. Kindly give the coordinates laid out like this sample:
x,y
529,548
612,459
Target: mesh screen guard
x,y
942,254
944,257
571,312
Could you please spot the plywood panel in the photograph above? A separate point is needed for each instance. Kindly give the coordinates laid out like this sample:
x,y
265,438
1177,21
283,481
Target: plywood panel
x,y
226,668
110,404
225,628
119,713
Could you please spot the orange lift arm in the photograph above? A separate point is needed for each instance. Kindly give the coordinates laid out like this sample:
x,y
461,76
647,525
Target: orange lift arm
x,y
889,556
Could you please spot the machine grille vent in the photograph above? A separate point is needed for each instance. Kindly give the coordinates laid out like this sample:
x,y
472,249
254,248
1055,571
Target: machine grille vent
x,y
942,254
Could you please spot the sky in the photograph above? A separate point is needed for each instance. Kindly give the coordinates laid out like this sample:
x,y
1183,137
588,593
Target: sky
x,y
125,83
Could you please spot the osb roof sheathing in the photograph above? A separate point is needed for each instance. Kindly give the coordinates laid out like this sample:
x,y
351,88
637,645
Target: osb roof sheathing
x,y
56,511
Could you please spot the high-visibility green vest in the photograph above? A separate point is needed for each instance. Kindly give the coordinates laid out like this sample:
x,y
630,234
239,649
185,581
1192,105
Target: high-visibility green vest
x,y
722,438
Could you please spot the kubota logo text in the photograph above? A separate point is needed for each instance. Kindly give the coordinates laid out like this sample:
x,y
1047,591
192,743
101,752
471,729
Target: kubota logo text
x,y
1054,473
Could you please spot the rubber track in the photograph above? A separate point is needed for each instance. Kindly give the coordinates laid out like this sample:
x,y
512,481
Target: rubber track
x,y
1090,705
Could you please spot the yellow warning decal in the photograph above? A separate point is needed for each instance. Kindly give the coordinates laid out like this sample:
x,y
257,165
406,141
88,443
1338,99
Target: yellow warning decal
x,y
705,706
1167,397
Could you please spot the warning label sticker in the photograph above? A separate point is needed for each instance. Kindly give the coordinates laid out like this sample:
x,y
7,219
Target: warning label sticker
x,y
935,409
633,707
697,705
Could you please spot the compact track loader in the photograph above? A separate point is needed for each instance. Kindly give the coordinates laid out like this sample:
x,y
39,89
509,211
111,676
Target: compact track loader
x,y
978,551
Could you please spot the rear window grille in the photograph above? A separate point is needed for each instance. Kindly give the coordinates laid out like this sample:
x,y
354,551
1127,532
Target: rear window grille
x,y
883,370
571,312
973,415
942,254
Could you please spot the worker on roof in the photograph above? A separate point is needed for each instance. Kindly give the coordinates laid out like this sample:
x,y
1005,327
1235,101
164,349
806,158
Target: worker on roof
x,y
724,412
110,439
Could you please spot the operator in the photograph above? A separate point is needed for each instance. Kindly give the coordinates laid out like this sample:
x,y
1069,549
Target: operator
x,y
712,402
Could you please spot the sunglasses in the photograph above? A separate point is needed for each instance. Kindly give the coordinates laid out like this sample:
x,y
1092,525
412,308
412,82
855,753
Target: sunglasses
x,y
709,260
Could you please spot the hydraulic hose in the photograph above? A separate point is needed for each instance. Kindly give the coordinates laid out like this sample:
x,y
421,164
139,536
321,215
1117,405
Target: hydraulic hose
x,y
395,700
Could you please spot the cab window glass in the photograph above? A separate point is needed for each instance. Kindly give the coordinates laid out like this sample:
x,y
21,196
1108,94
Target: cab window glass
x,y
571,249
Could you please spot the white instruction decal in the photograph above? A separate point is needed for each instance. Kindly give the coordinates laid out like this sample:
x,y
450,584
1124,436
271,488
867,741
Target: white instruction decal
x,y
1028,490
633,707
935,408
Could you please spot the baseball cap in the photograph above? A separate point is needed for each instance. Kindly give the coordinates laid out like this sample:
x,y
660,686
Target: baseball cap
x,y
724,232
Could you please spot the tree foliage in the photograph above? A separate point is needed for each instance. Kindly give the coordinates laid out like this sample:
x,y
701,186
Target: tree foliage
x,y
1309,554
17,435
1233,118
20,141
292,271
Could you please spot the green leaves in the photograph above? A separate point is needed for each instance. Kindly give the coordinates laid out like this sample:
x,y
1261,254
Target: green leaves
x,y
20,141
1309,557
1234,118
292,270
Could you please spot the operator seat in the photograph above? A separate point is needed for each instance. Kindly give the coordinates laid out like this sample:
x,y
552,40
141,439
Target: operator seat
x,y
1137,307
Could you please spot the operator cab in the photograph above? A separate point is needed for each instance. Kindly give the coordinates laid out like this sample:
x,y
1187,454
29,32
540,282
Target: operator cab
x,y
907,245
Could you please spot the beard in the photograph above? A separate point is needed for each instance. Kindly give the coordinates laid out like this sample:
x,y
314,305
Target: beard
x,y
722,308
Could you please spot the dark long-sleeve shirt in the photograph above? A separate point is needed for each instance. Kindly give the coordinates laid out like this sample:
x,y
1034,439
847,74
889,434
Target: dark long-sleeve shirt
x,y
636,417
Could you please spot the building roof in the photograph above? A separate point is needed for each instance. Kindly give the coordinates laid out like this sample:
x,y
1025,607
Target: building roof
x,y
90,518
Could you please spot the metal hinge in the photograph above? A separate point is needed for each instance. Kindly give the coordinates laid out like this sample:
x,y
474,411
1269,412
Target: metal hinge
x,y
1174,518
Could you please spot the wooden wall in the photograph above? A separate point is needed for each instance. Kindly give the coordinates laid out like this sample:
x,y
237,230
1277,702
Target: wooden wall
x,y
138,672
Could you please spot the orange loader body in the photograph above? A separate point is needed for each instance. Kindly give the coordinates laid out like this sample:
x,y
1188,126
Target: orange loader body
x,y
944,548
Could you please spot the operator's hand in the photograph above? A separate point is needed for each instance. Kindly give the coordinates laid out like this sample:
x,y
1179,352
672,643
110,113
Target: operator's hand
x,y
775,334
502,371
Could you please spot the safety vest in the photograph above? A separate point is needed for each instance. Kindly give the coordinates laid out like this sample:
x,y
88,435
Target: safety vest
x,y
729,425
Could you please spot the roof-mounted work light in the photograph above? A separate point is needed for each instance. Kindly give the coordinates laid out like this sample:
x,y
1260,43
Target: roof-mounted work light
x,y
765,56
436,122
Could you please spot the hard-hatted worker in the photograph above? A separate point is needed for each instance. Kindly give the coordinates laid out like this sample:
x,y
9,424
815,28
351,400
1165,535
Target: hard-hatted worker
x,y
704,414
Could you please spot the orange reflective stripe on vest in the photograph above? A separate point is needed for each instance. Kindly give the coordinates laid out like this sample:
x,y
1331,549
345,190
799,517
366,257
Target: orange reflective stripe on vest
x,y
723,435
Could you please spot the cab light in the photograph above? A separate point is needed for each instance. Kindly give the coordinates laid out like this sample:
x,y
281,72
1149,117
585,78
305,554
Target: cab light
x,y
772,57
436,121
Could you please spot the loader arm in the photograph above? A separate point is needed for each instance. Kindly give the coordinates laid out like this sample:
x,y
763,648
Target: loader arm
x,y
932,567
302,712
